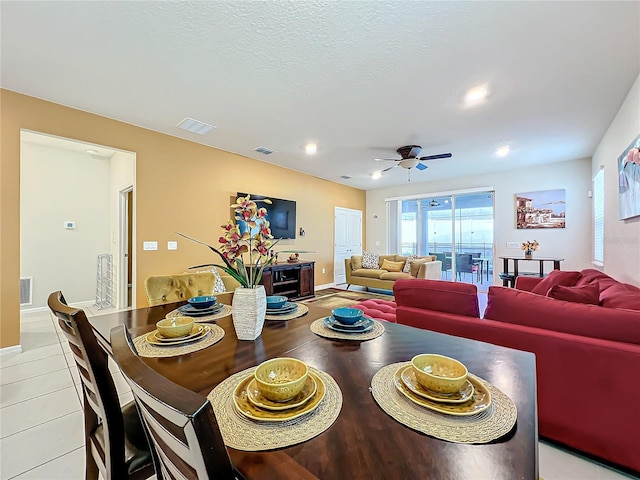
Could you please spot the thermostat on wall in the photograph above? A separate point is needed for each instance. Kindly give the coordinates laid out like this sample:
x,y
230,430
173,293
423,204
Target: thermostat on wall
x,y
70,225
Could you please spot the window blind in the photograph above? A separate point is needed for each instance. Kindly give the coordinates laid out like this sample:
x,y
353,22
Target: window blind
x,y
598,218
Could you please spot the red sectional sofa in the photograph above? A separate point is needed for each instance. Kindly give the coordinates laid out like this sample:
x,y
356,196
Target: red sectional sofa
x,y
587,354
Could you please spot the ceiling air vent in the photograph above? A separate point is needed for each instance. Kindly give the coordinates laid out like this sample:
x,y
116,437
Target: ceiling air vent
x,y
346,177
263,150
194,126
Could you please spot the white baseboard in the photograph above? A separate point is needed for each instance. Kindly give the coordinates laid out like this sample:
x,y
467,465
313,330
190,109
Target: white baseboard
x,y
326,285
12,349
85,304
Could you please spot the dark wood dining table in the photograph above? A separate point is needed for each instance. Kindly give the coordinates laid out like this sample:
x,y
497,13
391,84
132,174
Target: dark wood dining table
x,y
364,442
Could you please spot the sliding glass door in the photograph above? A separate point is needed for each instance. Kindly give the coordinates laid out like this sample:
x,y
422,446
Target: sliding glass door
x,y
457,228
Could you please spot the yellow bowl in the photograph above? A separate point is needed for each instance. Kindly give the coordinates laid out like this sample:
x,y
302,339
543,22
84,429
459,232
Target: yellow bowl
x,y
281,379
175,327
439,373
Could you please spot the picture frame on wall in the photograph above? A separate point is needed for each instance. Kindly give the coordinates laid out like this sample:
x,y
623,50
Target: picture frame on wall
x,y
543,209
629,181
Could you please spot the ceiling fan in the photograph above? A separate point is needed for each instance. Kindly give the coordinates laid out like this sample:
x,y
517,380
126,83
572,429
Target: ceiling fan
x,y
410,158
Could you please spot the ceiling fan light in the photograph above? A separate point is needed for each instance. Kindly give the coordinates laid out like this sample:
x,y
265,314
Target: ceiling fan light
x,y
409,163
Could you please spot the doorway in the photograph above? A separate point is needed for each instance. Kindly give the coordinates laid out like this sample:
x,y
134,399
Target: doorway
x,y
347,240
126,248
457,228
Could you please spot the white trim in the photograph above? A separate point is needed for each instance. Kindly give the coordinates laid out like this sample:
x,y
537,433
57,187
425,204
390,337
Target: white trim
x,y
12,349
442,194
34,310
326,285
86,304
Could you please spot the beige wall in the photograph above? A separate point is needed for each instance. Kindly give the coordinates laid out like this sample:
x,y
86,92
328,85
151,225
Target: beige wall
x,y
180,186
572,243
621,237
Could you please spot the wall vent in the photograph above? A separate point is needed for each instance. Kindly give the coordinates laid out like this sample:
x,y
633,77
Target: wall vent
x,y
263,150
346,177
26,291
195,126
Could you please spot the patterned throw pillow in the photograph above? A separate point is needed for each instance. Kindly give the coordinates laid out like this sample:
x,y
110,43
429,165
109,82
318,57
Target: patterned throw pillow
x,y
218,287
407,264
390,266
370,260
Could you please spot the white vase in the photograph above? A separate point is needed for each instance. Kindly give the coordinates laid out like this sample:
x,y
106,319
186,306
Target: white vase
x,y
249,306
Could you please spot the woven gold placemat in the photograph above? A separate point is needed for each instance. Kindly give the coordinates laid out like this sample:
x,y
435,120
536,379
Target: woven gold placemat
x,y
299,312
493,423
226,310
145,349
242,433
318,328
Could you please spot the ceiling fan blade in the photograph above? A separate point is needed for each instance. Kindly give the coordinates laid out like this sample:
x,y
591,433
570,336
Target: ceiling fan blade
x,y
389,168
420,166
435,157
387,159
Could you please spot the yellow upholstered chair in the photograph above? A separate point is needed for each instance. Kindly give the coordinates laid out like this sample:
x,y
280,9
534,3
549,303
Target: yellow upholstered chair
x,y
161,289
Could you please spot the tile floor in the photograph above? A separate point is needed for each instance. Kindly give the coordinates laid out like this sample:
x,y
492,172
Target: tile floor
x,y
41,420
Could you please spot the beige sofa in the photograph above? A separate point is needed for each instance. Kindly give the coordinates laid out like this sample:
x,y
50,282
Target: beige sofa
x,y
424,267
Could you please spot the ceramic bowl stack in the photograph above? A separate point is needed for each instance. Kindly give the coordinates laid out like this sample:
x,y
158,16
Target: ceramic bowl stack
x,y
280,305
201,306
280,389
175,331
442,384
348,320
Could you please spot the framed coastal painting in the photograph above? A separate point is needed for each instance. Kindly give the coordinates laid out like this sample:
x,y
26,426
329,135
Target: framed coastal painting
x,y
544,209
629,180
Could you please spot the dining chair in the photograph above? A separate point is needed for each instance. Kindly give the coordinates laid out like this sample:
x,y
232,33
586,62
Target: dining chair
x,y
464,264
161,289
183,426
115,441
446,263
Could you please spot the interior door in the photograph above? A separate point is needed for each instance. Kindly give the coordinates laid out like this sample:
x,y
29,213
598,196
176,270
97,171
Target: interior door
x,y
348,240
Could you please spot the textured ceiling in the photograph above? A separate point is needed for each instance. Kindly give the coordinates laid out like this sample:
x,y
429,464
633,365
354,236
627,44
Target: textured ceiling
x,y
359,78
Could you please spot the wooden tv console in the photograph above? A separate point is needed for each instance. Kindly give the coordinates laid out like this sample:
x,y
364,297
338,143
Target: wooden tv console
x,y
293,280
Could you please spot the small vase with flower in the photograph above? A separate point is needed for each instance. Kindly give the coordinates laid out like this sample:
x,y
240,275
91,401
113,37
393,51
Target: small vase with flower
x,y
529,248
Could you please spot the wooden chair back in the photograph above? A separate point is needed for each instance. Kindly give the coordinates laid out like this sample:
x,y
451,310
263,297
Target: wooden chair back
x,y
181,423
104,425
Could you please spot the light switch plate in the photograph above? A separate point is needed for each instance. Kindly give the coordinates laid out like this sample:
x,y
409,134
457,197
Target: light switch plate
x,y
149,245
513,245
172,245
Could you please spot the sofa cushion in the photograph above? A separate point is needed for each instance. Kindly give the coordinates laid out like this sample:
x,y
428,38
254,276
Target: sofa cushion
x,y
368,273
621,295
525,308
390,266
584,294
450,297
370,260
407,263
394,276
414,265
379,309
556,277
589,276
356,262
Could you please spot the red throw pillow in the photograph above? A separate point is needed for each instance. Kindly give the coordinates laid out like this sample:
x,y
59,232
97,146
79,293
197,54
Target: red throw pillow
x,y
621,295
585,294
556,277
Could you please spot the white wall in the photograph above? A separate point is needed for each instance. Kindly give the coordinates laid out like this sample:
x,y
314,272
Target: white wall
x,y
57,185
621,237
572,243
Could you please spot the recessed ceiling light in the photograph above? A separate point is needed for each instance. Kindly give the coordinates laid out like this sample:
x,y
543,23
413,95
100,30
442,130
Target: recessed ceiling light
x,y
376,175
310,148
503,151
91,151
476,95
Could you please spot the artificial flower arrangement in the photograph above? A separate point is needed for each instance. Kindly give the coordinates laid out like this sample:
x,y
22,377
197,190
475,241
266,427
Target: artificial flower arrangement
x,y
257,241
530,246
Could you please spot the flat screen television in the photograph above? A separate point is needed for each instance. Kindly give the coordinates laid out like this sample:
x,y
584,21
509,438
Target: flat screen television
x,y
281,215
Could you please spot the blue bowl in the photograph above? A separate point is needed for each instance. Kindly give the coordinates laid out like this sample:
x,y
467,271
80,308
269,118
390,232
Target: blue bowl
x,y
203,301
276,301
345,315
